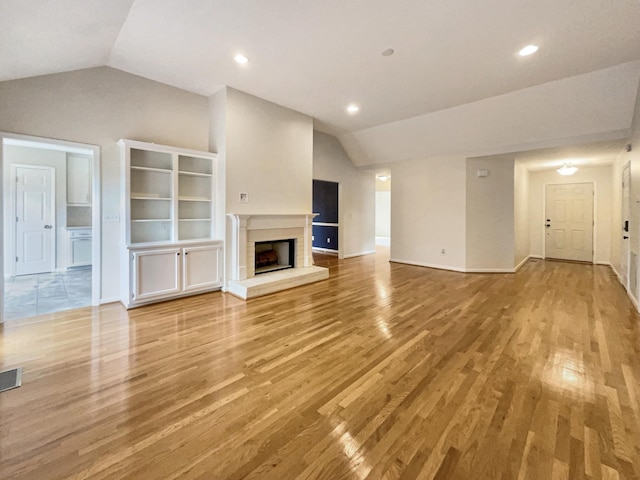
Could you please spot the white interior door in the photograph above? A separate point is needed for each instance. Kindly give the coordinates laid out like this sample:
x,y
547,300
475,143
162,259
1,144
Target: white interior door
x,y
34,220
569,222
624,250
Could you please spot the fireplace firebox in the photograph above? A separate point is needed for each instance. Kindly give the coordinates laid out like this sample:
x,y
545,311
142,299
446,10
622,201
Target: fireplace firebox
x,y
275,255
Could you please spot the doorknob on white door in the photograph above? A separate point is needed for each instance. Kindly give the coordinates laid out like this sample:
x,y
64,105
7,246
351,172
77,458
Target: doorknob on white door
x,y
47,226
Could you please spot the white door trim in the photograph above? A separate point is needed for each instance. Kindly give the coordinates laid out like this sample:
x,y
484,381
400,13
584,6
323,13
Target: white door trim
x,y
627,165
594,230
96,211
12,208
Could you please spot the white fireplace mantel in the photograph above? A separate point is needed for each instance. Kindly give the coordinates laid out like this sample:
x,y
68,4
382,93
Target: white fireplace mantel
x,y
247,228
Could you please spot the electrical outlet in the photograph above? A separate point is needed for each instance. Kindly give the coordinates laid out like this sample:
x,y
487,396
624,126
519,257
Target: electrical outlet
x,y
443,251
244,198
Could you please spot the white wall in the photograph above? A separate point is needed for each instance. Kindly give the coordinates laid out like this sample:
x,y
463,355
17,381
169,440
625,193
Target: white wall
x,y
269,155
428,212
522,234
634,158
357,207
603,207
616,211
383,213
99,106
48,158
489,214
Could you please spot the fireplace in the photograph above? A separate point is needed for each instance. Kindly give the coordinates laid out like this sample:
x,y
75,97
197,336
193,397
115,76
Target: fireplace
x,y
275,255
288,236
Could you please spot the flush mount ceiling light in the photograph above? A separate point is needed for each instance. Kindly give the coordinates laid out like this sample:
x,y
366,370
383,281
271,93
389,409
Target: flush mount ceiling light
x,y
353,108
528,50
383,178
567,169
241,59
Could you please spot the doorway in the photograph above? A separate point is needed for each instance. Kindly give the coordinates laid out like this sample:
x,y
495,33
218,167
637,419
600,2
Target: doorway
x,y
41,272
383,209
569,222
34,212
326,236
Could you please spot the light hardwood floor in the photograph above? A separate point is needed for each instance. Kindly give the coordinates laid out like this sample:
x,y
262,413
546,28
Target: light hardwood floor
x,y
383,371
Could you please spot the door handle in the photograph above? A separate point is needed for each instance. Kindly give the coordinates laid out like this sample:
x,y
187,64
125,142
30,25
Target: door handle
x,y
547,225
47,226
625,237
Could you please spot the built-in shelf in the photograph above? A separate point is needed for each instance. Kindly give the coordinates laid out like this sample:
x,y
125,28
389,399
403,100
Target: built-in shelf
x,y
142,197
151,169
151,220
195,174
194,199
194,220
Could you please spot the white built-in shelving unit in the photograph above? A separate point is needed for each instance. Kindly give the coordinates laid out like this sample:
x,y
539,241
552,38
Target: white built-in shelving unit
x,y
170,199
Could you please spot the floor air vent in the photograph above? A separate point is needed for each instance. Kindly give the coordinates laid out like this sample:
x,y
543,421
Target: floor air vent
x,y
10,379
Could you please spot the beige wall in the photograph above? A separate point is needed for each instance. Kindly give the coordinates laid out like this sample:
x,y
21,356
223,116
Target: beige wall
x,y
428,212
357,200
603,208
490,214
99,106
269,155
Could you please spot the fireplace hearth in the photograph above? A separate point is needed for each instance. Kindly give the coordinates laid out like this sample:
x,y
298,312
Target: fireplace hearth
x,y
260,236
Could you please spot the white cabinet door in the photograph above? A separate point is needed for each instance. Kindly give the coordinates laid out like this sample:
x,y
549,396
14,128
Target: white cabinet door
x,y
156,274
78,180
80,251
201,267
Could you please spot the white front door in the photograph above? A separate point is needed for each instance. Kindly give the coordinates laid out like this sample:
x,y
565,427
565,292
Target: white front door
x,y
624,250
34,220
569,222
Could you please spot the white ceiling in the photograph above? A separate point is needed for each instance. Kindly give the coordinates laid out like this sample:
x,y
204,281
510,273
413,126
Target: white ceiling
x,y
589,154
317,56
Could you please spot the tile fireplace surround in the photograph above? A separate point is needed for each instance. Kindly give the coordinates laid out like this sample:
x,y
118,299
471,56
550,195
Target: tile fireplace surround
x,y
246,230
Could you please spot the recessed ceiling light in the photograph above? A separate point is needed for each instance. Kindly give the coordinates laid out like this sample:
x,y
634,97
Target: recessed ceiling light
x,y
528,50
353,108
241,59
383,178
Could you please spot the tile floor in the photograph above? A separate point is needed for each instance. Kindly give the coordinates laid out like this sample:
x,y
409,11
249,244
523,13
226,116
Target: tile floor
x,y
29,295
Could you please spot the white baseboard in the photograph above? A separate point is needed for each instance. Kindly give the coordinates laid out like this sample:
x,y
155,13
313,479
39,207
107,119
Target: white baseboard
x,y
109,300
453,269
633,300
383,241
428,265
519,266
489,270
617,274
351,255
324,250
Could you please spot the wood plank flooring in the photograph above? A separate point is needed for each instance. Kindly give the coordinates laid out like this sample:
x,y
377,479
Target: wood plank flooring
x,y
385,371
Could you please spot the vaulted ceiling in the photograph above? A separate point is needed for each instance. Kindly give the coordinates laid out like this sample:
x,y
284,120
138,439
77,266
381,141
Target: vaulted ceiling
x,y
318,56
